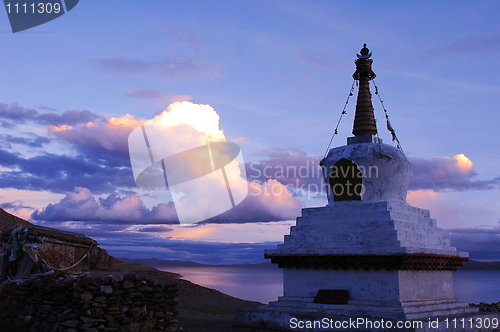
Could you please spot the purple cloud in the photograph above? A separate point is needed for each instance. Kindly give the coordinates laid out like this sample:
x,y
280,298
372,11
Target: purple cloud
x,y
60,173
15,114
447,173
290,166
175,68
482,243
81,205
473,44
158,98
320,61
37,142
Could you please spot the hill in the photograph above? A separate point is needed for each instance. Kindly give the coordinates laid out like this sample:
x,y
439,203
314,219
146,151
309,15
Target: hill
x,y
476,265
166,263
10,221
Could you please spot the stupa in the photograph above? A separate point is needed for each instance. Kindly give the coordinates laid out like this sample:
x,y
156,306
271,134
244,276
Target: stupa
x,y
367,253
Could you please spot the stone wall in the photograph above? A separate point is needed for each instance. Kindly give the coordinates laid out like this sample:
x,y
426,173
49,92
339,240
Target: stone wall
x,y
65,303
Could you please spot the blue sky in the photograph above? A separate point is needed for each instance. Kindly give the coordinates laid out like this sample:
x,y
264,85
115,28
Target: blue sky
x,y
277,73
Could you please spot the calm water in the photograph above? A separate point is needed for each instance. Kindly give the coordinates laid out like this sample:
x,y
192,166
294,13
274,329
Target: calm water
x,y
266,284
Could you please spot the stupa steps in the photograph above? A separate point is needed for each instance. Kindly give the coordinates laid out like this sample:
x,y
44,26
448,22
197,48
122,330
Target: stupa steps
x,y
361,218
370,302
345,209
355,228
394,312
367,245
373,236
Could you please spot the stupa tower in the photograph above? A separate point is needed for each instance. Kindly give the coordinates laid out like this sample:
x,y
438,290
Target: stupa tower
x,y
364,119
367,253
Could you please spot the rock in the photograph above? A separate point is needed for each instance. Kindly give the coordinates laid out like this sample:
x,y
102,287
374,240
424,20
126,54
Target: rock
x,y
92,320
45,308
71,323
132,327
135,312
145,289
127,284
56,327
98,311
107,289
86,296
146,326
90,329
108,318
84,282
101,260
144,310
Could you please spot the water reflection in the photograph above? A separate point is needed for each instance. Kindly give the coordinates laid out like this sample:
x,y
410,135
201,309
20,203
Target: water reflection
x,y
248,283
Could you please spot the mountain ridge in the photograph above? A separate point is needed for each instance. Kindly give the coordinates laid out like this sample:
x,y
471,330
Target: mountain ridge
x,y
165,263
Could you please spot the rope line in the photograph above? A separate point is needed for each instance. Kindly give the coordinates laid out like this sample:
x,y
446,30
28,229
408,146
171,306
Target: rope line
x,y
389,125
72,266
338,122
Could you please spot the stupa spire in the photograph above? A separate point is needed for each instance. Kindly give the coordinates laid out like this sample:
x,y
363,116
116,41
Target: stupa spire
x,y
364,120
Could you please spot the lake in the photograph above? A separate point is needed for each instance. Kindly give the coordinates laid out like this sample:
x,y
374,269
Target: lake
x,y
264,284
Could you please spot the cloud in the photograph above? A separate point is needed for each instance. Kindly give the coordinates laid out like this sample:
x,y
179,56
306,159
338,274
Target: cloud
x,y
155,229
15,206
445,212
158,98
69,118
15,114
174,68
290,166
59,173
267,202
320,61
473,44
196,251
482,243
81,205
447,173
101,143
37,142
270,202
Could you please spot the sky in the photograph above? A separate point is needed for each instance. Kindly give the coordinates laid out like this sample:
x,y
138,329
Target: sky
x,y
275,76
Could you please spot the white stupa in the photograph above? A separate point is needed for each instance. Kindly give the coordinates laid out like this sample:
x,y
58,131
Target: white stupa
x,y
368,253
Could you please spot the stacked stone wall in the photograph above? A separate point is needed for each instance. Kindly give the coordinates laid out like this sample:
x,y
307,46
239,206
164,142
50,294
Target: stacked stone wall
x,y
58,303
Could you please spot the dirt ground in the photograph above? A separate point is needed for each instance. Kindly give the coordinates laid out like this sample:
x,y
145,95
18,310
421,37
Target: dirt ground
x,y
200,309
